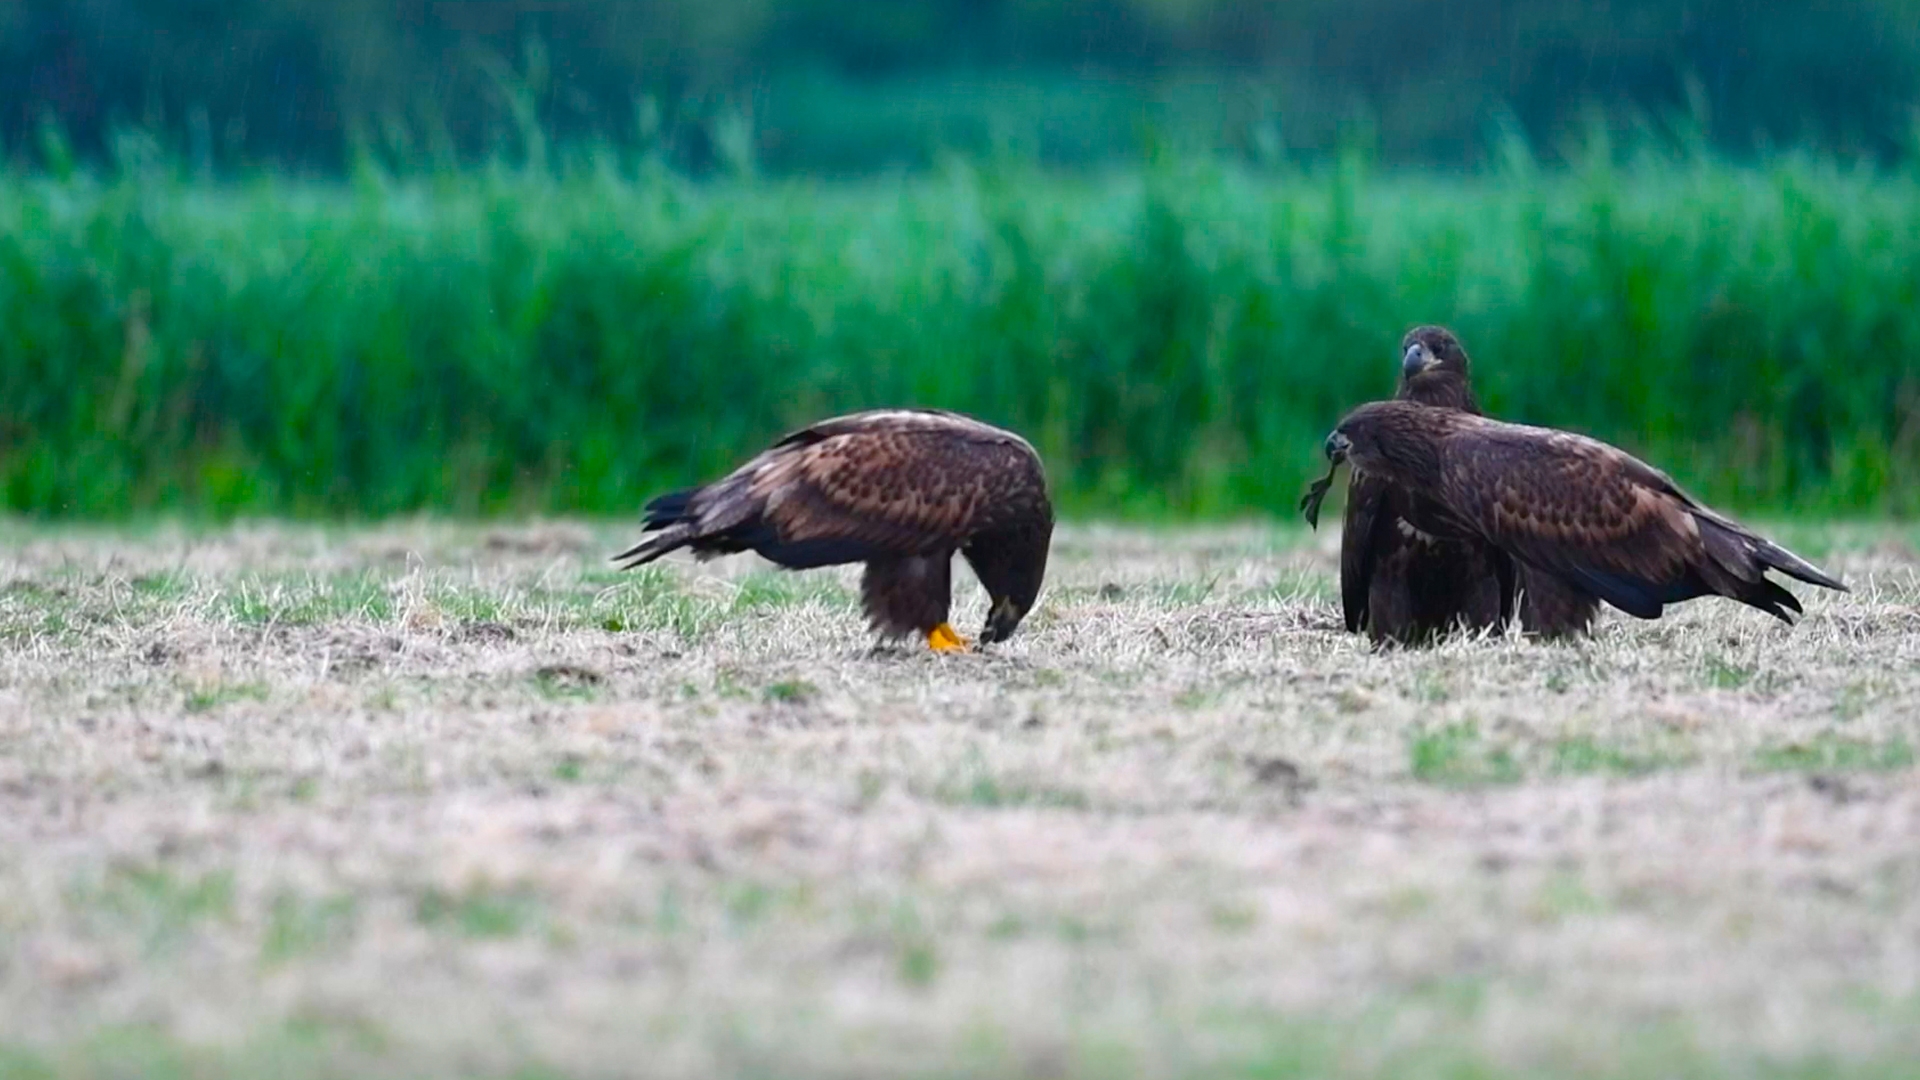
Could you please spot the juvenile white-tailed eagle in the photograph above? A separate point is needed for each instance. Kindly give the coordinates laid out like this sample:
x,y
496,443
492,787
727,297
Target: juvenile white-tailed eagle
x,y
900,490
1400,581
1595,520
1400,578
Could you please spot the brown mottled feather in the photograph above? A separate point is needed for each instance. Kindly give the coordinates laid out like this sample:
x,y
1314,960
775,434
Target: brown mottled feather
x,y
1586,519
900,490
1398,580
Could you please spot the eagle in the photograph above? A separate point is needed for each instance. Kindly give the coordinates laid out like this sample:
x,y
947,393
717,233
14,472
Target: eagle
x,y
1400,580
1593,521
900,490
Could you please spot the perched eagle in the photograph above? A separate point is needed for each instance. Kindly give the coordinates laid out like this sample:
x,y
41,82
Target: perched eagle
x,y
1400,578
1590,518
1399,581
900,490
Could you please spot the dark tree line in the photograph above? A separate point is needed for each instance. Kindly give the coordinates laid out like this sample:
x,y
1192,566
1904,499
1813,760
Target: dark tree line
x,y
828,84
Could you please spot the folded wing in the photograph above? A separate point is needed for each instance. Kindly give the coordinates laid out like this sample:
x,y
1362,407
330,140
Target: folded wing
x,y
1607,524
854,488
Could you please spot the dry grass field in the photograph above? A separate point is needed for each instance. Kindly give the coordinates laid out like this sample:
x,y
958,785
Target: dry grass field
x,y
429,799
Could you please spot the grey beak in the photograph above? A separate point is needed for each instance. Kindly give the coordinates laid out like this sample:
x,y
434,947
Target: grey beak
x,y
1337,446
1417,360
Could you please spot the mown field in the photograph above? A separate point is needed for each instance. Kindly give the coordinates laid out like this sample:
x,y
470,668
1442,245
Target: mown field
x,y
1176,339
425,799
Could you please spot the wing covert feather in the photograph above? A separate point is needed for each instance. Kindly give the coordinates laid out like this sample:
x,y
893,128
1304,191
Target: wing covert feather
x,y
903,491
1567,503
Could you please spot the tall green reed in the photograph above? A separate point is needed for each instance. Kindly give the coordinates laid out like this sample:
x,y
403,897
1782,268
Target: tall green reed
x,y
1176,340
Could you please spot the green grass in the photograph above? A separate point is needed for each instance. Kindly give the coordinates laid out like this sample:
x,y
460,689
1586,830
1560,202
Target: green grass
x,y
478,912
1176,340
1457,755
1461,755
205,698
299,926
157,906
1827,751
321,1045
297,600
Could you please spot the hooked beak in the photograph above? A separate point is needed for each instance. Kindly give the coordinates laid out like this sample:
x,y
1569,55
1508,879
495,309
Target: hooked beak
x,y
1002,618
1418,359
1337,446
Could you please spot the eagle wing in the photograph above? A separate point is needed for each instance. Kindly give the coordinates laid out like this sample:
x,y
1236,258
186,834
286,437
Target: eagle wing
x,y
1360,539
1608,524
1410,570
1592,514
901,491
854,488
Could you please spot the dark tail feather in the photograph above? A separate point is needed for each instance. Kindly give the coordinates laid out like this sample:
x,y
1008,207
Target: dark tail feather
x,y
1779,558
669,509
666,517
1748,556
1771,599
644,552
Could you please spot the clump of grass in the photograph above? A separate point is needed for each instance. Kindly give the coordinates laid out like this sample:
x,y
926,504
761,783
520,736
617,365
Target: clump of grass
x,y
1177,340
1830,752
209,696
1724,674
1461,755
299,925
568,682
792,691
1458,755
652,598
158,903
305,600
988,791
478,912
1582,755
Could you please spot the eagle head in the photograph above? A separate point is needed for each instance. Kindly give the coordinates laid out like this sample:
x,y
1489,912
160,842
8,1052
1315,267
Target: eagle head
x,y
1011,564
1427,349
1338,445
1397,440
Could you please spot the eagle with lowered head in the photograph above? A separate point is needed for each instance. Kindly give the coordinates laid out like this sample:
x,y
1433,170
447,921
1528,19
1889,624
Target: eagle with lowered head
x,y
1596,521
1401,578
901,490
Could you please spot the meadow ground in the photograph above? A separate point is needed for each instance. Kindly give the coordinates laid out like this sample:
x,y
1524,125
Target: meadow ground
x,y
425,799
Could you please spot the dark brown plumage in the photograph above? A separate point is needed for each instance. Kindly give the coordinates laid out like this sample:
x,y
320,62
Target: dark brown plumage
x,y
1404,581
1587,519
900,490
1399,581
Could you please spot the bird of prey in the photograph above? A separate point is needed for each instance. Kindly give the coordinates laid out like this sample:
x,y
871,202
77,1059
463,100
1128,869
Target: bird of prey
x,y
1597,521
1404,582
1398,581
900,490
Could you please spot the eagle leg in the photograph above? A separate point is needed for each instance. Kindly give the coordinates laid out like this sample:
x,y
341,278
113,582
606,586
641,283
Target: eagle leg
x,y
910,596
944,638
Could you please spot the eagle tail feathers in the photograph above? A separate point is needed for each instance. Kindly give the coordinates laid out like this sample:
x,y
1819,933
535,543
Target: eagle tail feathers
x,y
669,509
1771,599
1794,566
1749,556
669,538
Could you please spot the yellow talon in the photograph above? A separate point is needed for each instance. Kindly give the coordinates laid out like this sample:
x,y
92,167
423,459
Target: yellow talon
x,y
944,638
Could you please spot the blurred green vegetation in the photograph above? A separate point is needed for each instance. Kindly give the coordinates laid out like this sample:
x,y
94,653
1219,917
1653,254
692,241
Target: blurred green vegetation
x,y
575,335
818,86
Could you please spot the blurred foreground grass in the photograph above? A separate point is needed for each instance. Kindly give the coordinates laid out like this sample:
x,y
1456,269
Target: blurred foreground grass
x,y
1176,340
432,799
